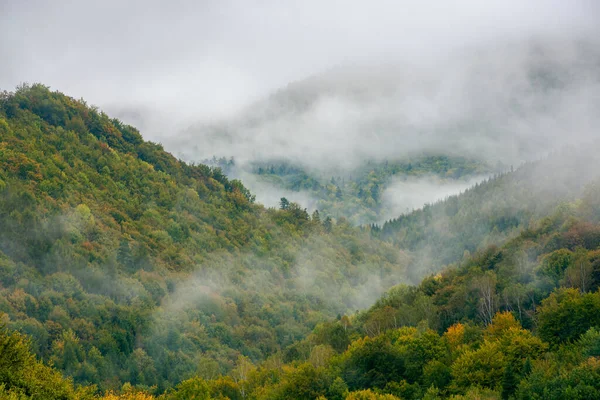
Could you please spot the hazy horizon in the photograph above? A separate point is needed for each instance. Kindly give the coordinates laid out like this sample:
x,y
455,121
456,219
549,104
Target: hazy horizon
x,y
195,61
325,85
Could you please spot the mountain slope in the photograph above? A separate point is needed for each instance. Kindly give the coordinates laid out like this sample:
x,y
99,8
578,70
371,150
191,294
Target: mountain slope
x,y
367,194
517,321
492,211
492,106
127,265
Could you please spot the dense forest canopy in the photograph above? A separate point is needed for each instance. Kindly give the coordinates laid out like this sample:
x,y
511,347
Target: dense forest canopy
x,y
127,265
368,194
317,201
137,275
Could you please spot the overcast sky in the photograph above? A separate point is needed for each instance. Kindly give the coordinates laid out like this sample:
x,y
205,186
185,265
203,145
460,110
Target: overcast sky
x,y
200,59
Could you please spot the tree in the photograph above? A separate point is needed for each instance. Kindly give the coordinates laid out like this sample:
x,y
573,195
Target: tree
x,y
589,343
554,265
316,217
482,367
338,390
21,374
579,273
375,192
368,394
488,303
320,355
372,363
328,224
380,320
241,373
334,334
566,314
284,203
436,373
305,382
191,389
124,256
509,381
501,324
514,296
579,383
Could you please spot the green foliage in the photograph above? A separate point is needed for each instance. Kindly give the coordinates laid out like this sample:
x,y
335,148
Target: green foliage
x,y
305,382
127,265
481,367
367,394
498,209
357,196
566,314
143,275
372,363
589,343
191,389
580,382
554,265
24,377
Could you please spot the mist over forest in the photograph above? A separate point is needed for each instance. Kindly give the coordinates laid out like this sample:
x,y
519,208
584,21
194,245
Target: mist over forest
x,y
501,104
322,200
384,83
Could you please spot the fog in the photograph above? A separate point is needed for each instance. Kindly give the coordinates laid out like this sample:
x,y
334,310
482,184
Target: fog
x,y
508,102
405,195
328,85
333,87
166,66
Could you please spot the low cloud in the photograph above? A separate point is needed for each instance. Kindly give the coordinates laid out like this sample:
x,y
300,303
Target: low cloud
x,y
405,195
503,101
453,81
270,194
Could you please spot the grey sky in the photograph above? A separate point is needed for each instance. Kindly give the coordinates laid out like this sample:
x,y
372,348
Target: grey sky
x,y
198,59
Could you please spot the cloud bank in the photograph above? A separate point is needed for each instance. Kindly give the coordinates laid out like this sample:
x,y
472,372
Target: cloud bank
x,y
327,84
165,65
506,101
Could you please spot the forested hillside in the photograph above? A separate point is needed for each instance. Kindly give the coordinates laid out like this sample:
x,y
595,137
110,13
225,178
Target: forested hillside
x,y
127,265
520,321
361,194
517,321
126,273
311,200
492,211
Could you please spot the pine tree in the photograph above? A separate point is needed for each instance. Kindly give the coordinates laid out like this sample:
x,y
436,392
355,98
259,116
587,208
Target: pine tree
x,y
509,381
